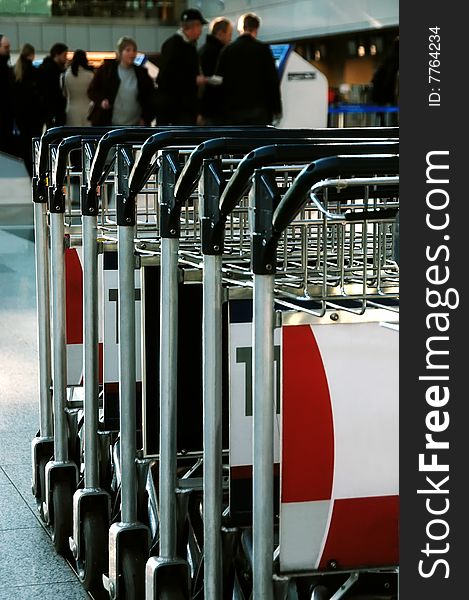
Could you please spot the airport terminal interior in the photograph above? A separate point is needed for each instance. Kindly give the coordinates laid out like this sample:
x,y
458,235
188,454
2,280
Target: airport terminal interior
x,y
163,287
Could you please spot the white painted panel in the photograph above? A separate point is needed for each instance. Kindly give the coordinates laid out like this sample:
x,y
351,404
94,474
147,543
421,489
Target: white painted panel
x,y
110,328
303,527
240,386
74,364
361,364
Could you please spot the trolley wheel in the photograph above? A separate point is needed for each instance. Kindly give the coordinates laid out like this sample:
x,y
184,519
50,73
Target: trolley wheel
x,y
171,591
95,551
132,581
41,498
320,593
62,516
170,588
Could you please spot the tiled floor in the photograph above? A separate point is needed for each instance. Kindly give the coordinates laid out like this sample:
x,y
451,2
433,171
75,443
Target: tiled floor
x,y
29,566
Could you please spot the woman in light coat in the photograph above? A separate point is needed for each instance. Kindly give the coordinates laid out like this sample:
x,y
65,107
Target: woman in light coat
x,y
77,79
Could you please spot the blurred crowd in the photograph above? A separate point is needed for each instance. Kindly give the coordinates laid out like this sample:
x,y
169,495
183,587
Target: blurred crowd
x,y
224,82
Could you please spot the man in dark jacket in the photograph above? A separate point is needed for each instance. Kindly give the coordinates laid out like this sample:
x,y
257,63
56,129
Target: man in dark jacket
x,y
251,87
50,72
221,30
6,97
179,75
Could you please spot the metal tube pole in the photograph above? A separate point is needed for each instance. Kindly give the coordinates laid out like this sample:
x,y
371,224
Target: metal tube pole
x,y
168,395
43,318
59,362
90,348
212,428
263,443
127,374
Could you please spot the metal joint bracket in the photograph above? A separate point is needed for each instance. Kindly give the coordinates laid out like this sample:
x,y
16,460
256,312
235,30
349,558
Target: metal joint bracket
x,y
344,588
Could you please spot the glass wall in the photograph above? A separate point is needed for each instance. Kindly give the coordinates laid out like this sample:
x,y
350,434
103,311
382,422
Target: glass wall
x,y
165,11
24,7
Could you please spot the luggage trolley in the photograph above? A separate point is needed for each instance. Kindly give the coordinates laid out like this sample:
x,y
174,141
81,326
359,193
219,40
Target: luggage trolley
x,y
92,510
66,425
42,445
92,502
61,474
311,540
55,192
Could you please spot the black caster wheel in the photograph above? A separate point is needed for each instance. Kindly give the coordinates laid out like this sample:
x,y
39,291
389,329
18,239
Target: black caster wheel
x,y
95,551
62,516
320,593
169,588
132,581
41,492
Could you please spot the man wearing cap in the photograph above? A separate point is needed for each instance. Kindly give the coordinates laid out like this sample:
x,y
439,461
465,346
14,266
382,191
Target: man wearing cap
x,y
179,75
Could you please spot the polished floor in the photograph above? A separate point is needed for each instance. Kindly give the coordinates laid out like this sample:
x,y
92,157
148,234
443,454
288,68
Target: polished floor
x,y
29,567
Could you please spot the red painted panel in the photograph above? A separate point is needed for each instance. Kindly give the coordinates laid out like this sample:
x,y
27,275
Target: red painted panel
x,y
307,420
74,297
363,532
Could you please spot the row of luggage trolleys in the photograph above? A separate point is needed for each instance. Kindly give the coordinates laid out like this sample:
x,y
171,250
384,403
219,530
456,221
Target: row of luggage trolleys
x,y
218,343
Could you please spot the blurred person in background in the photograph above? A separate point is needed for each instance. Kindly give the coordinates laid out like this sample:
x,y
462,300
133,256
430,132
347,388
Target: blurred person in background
x,y
385,85
220,33
122,92
29,109
250,86
180,75
76,81
6,97
50,79
385,90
